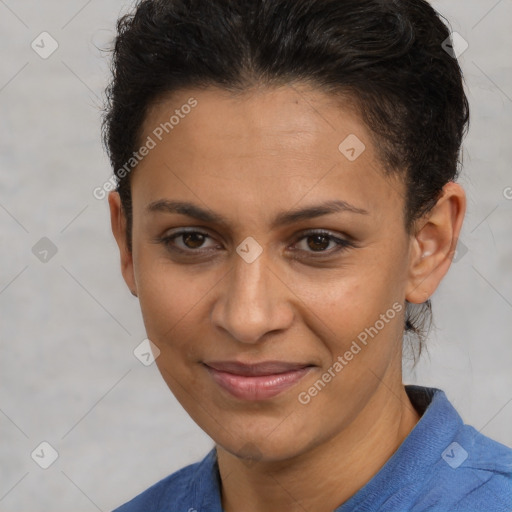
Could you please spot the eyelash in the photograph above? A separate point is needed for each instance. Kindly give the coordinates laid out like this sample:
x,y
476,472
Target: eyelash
x,y
342,244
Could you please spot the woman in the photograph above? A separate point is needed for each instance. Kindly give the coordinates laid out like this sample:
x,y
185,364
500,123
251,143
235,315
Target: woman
x,y
286,196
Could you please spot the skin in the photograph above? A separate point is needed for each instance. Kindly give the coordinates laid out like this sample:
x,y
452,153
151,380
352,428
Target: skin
x,y
249,158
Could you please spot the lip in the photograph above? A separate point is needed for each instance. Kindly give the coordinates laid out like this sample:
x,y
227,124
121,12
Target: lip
x,y
258,381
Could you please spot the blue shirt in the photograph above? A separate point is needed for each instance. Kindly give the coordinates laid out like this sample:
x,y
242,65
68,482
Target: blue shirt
x,y
443,465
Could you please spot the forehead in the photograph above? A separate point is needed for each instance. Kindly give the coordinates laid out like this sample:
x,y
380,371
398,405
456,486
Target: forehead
x,y
294,118
271,147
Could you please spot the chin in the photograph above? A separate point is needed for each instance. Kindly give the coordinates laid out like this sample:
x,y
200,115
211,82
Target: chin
x,y
278,446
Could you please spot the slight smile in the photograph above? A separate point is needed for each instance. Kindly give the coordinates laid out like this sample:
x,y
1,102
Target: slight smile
x,y
258,381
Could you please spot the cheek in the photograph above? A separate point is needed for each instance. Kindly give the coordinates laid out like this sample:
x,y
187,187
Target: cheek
x,y
359,320
172,300
358,316
348,300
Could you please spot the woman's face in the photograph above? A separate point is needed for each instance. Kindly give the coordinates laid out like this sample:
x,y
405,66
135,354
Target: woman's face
x,y
258,282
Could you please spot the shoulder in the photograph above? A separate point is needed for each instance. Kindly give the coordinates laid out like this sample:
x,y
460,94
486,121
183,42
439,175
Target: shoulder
x,y
444,464
473,472
477,472
177,488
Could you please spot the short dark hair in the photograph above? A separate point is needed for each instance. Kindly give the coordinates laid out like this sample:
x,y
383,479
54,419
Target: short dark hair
x,y
386,55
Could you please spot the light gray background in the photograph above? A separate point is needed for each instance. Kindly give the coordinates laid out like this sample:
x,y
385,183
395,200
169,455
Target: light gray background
x,y
68,326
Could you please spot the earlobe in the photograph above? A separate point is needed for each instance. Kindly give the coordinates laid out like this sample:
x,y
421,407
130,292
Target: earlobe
x,y
118,225
434,243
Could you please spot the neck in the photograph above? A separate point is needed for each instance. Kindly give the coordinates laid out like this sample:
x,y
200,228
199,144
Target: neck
x,y
328,475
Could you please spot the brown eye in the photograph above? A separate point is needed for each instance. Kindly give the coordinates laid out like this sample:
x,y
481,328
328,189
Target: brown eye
x,y
322,243
318,242
193,240
187,241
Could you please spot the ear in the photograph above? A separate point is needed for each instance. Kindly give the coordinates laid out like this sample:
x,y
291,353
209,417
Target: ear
x,y
118,223
434,243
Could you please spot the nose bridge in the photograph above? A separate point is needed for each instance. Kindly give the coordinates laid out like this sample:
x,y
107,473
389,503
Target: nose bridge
x,y
249,278
252,303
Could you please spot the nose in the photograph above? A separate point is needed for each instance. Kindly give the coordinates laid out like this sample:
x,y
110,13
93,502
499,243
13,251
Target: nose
x,y
253,301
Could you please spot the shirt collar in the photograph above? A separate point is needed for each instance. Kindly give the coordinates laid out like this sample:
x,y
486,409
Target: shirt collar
x,y
420,450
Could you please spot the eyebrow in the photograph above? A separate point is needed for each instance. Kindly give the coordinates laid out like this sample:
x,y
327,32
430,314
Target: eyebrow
x,y
282,219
